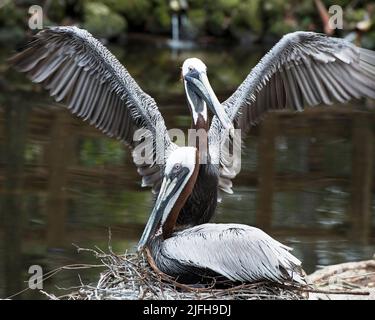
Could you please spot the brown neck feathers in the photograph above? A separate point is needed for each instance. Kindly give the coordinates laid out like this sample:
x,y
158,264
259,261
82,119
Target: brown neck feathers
x,y
170,223
201,123
198,137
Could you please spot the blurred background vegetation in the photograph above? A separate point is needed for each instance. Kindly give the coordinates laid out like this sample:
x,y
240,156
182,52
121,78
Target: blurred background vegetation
x,y
204,20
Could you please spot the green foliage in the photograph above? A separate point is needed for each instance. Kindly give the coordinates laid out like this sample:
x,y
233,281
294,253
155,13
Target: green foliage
x,y
227,5
197,19
135,11
12,23
216,23
247,16
276,7
280,28
96,152
10,15
56,10
354,16
33,153
342,3
306,9
101,21
220,18
160,19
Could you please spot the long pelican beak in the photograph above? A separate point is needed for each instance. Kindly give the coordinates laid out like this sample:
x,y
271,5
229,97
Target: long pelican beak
x,y
199,84
170,190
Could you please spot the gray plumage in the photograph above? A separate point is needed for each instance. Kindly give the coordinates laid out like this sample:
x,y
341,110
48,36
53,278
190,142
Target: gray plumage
x,y
79,71
303,68
235,251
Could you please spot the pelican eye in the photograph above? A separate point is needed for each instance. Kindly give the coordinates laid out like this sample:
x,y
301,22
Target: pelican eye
x,y
177,167
191,68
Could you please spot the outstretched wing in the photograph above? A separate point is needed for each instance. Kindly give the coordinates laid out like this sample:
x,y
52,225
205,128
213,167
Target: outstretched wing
x,y
303,68
238,252
80,72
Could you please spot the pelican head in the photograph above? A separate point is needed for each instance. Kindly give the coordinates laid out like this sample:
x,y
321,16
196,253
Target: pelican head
x,y
199,93
180,174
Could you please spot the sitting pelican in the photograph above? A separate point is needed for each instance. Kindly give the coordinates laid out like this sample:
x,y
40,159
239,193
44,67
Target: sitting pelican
x,y
303,68
236,252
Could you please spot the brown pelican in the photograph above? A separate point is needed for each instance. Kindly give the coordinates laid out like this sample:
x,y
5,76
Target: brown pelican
x,y
303,68
79,71
234,251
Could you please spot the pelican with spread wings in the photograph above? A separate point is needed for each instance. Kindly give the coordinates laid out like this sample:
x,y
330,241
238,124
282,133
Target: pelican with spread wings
x,y
302,69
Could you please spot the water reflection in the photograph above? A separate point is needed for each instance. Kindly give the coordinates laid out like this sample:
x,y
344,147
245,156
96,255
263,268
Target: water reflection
x,y
307,179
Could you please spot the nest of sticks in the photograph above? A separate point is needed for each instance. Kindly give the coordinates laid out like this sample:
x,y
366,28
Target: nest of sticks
x,y
134,276
131,276
353,280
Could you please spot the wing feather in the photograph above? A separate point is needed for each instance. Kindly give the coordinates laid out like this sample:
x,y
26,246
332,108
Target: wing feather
x,y
238,252
303,68
80,72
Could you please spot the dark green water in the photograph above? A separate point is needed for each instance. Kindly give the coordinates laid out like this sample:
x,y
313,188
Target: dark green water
x,y
63,182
